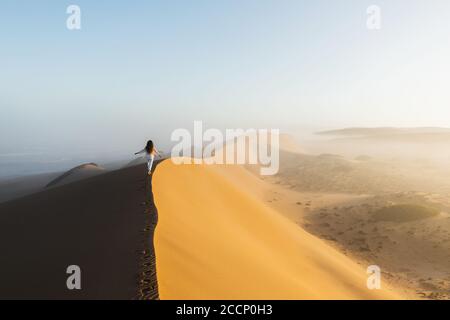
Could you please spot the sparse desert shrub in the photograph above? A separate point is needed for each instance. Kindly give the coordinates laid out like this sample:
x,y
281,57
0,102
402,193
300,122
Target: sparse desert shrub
x,y
404,213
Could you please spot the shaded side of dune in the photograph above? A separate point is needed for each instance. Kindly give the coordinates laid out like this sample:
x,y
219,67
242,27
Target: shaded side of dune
x,y
96,224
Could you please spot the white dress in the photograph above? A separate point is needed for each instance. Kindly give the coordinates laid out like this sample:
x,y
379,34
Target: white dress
x,y
149,157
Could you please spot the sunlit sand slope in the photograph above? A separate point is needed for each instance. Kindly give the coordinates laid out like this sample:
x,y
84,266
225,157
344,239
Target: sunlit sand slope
x,y
216,240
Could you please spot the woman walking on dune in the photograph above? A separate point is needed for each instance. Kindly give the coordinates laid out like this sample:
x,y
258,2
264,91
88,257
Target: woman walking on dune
x,y
150,152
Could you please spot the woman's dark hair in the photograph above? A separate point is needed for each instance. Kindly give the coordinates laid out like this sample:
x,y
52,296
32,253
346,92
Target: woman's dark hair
x,y
149,146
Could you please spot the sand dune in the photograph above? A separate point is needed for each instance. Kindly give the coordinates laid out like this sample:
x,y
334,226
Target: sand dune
x,y
80,172
95,223
217,239
286,143
22,186
18,187
135,162
394,214
384,131
290,144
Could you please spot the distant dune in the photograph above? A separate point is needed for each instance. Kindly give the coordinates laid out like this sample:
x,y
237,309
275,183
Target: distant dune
x,y
290,144
384,131
11,189
286,143
217,240
135,162
391,135
18,187
78,173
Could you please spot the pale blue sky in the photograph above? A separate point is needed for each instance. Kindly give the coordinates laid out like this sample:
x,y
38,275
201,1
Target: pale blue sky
x,y
139,69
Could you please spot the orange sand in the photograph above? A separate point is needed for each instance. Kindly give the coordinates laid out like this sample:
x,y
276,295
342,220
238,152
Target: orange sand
x,y
216,239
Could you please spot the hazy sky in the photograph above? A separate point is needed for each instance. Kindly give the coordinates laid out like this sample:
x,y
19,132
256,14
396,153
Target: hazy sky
x,y
138,69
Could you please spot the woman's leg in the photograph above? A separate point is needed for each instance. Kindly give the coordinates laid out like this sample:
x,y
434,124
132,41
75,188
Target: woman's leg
x,y
150,163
